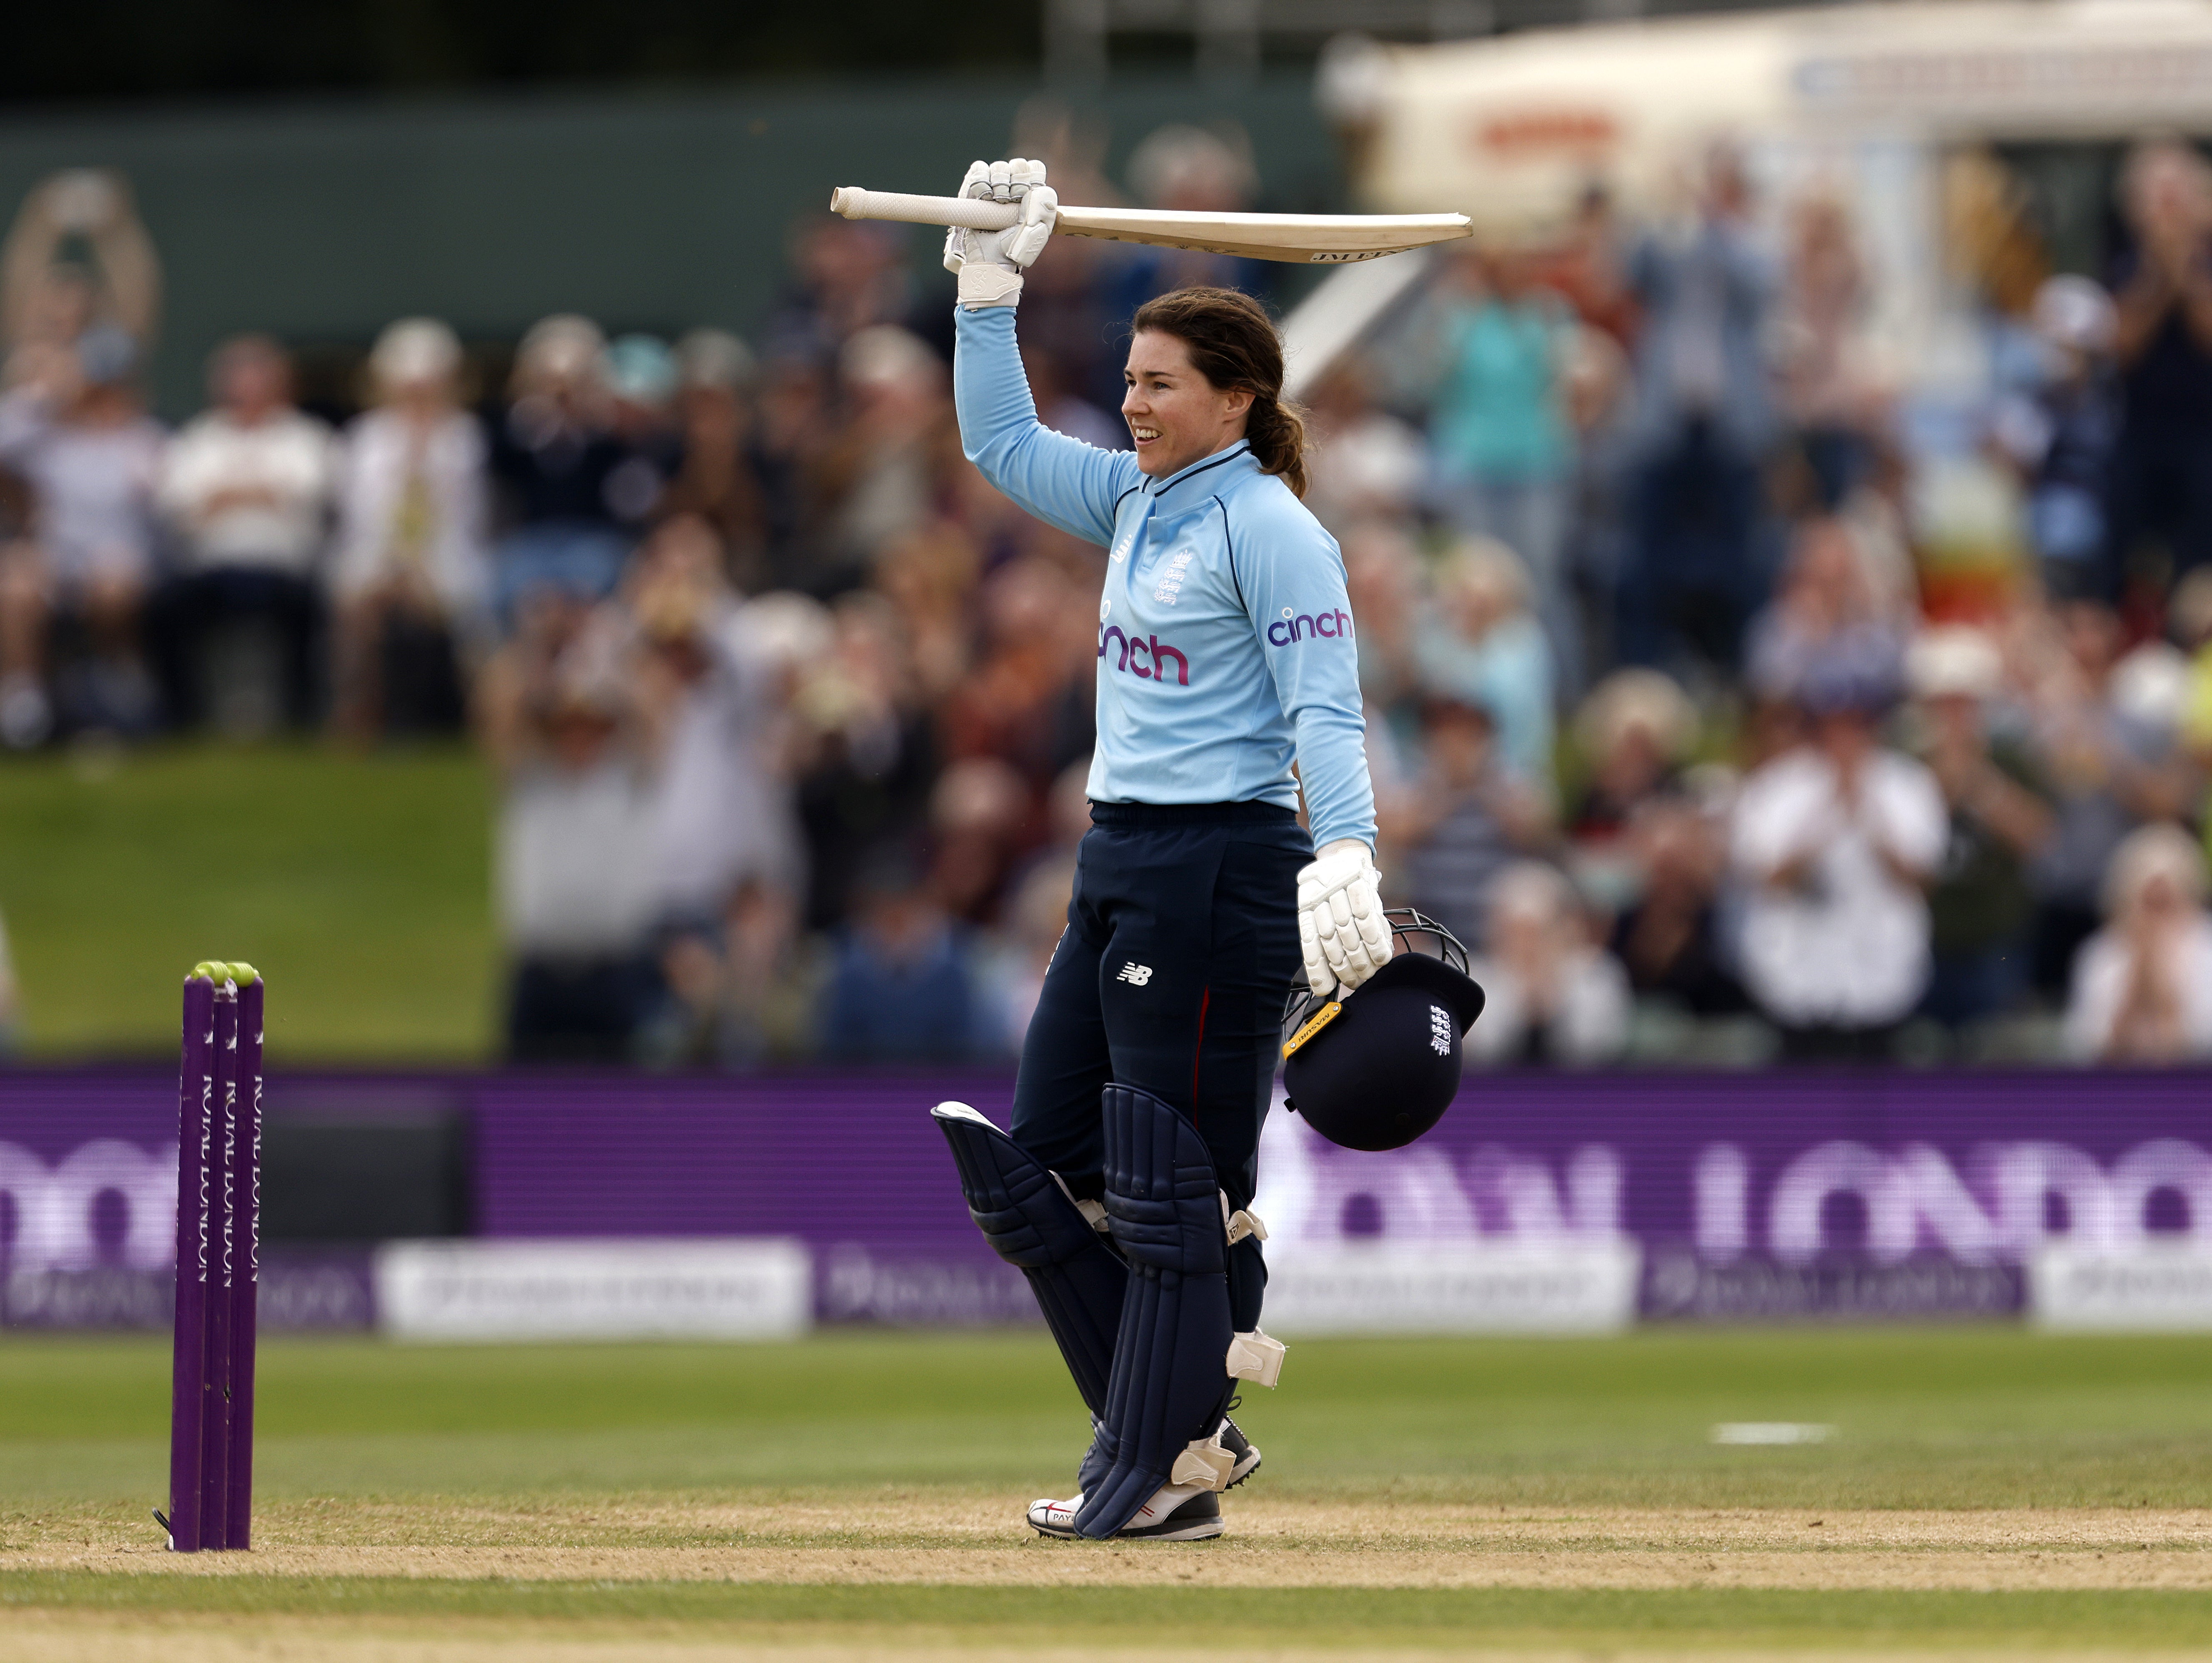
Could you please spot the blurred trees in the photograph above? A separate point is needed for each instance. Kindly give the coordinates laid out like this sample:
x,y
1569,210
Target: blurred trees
x,y
126,49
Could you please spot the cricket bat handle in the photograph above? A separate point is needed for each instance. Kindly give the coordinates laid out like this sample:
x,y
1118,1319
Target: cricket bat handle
x,y
973,212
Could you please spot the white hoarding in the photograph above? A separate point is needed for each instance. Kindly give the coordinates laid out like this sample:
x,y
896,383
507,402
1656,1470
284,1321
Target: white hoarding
x,y
2146,1287
737,1289
1566,1286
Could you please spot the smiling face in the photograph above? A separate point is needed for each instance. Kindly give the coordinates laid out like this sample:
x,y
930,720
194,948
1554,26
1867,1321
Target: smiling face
x,y
1174,414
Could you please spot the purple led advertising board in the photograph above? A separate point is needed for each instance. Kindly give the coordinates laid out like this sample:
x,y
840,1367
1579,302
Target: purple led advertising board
x,y
1747,1197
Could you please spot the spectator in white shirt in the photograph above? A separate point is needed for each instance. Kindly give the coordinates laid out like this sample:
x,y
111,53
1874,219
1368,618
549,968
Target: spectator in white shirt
x,y
411,572
246,487
576,890
1836,842
2142,984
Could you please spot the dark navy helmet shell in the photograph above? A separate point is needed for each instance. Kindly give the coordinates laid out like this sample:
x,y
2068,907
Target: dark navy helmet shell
x,y
1376,1068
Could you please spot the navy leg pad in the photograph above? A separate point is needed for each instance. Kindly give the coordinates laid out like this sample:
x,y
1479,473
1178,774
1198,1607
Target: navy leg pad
x,y
1170,1380
1030,1223
1097,1460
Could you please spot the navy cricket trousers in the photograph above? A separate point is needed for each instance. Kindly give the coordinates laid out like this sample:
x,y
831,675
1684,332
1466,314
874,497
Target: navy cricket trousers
x,y
1180,948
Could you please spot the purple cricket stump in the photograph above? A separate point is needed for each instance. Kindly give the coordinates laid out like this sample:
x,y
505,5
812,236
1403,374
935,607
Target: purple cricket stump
x,y
247,1281
195,1101
215,1424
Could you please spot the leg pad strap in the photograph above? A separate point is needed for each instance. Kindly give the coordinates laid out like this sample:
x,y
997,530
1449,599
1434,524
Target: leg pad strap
x,y
1255,1357
1204,1461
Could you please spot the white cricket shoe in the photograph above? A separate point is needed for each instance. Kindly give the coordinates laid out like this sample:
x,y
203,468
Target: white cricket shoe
x,y
1176,1512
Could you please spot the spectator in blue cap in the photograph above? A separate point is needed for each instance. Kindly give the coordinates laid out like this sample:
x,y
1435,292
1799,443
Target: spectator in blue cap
x,y
641,392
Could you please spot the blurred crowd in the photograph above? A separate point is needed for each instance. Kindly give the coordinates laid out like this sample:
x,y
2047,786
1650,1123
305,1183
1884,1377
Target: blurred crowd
x,y
1731,700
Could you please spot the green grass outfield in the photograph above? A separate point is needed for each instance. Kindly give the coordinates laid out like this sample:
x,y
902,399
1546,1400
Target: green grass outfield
x,y
1193,1621
361,885
1973,1418
860,1443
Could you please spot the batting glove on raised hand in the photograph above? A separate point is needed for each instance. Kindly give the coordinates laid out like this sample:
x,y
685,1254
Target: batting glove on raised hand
x,y
1341,924
990,263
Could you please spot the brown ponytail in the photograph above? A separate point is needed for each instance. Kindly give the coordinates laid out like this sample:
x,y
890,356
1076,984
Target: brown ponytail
x,y
1232,344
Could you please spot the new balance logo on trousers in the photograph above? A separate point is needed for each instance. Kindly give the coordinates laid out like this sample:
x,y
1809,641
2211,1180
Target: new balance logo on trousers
x,y
1135,974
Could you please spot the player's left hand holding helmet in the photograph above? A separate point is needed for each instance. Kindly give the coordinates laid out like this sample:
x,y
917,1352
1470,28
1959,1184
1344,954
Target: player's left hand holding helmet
x,y
1376,1068
990,263
1341,924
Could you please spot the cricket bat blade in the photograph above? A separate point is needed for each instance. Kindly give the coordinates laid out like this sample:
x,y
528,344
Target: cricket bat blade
x,y
1300,239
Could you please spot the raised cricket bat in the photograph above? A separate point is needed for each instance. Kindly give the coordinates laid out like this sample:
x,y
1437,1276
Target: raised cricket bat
x,y
1301,239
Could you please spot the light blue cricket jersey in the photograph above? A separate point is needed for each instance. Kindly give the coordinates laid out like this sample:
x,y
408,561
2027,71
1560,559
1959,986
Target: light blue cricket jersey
x,y
1225,633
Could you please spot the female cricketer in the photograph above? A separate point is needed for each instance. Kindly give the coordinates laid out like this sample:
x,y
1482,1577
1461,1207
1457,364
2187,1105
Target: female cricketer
x,y
1226,655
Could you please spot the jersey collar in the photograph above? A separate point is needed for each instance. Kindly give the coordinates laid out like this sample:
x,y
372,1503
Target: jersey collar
x,y
1201,479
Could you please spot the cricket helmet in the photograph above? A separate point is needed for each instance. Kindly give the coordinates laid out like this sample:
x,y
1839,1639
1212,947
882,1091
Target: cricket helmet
x,y
1375,1068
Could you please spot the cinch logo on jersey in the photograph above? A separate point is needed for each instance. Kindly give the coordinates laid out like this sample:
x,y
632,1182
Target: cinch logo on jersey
x,y
1294,627
1143,656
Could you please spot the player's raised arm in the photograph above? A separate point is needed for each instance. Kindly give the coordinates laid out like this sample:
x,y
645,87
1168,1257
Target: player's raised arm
x,y
1060,480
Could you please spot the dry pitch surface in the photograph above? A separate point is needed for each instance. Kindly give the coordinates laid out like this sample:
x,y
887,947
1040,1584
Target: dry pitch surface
x,y
2000,1497
474,1584
968,1540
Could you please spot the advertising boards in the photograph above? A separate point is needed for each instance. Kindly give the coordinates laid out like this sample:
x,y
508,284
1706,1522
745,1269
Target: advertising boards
x,y
1544,1203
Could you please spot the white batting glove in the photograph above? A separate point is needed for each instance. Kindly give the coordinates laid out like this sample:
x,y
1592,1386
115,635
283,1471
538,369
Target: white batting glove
x,y
1341,924
990,263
